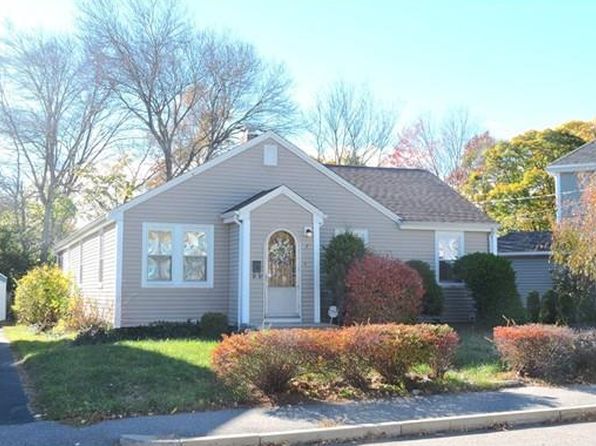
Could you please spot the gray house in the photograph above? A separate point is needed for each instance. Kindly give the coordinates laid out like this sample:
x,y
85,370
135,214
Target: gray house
x,y
243,235
569,172
529,253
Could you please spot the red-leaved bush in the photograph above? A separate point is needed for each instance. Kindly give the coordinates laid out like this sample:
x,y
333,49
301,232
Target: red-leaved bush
x,y
268,361
537,350
382,289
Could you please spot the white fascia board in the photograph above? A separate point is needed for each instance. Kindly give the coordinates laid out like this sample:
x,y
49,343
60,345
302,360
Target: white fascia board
x,y
439,226
525,254
571,168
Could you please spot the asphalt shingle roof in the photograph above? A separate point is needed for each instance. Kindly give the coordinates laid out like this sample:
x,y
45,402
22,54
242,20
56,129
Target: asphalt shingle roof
x,y
412,194
248,201
525,241
585,154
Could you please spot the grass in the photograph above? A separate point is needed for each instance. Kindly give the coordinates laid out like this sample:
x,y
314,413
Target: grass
x,y
89,383
93,382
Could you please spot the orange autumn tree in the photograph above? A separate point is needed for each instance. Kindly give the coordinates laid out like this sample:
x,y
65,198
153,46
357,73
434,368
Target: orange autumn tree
x,y
574,239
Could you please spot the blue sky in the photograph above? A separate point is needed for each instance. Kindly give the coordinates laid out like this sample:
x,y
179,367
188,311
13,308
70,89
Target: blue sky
x,y
515,65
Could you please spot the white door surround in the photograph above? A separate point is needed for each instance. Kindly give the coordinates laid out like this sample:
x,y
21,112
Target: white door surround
x,y
282,303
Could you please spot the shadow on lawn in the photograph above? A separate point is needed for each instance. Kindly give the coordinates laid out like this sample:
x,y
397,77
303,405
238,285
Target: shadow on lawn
x,y
94,382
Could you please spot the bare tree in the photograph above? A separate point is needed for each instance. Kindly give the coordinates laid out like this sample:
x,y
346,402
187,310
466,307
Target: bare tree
x,y
55,117
194,92
437,148
349,126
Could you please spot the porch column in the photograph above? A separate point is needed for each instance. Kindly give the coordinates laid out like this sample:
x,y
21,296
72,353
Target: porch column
x,y
244,267
317,221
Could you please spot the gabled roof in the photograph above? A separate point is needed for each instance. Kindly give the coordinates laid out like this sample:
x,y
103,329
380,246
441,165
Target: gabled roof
x,y
584,157
525,242
266,195
416,195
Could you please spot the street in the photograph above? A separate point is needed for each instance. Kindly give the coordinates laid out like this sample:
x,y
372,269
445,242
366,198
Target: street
x,y
581,434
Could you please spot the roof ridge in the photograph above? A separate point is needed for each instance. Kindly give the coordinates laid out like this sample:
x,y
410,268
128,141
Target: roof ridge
x,y
354,166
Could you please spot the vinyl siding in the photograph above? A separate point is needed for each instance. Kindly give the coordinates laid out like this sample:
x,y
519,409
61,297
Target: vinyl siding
x,y
99,295
266,219
233,268
203,198
476,242
532,273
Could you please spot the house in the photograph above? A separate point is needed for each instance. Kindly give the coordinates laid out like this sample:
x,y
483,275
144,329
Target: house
x,y
243,235
529,253
569,172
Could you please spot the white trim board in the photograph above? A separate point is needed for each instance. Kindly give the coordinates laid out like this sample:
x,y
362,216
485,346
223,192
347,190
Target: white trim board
x,y
571,168
446,226
525,254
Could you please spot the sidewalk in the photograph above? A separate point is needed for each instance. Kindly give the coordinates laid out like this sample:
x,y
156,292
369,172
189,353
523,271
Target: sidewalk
x,y
13,402
260,420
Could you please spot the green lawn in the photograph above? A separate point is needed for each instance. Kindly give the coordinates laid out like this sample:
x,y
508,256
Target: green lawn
x,y
93,382
89,383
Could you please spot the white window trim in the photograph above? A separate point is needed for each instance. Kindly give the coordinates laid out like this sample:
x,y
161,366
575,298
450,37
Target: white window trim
x,y
355,231
462,251
177,256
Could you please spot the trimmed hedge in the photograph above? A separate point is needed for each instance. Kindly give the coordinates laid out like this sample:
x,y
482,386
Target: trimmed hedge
x,y
213,325
550,352
382,290
491,279
156,330
267,361
432,301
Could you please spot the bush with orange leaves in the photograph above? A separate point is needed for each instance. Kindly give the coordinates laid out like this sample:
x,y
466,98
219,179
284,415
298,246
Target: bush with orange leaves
x,y
537,350
268,361
382,290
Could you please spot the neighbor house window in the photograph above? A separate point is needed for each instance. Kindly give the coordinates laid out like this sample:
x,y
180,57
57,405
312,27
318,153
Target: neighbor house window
x,y
178,255
362,233
449,247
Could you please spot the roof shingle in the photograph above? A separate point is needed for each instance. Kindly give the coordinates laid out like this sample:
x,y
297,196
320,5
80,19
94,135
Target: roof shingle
x,y
412,194
585,154
525,241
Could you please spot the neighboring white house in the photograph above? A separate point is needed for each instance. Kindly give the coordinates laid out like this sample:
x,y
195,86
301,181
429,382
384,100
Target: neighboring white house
x,y
243,235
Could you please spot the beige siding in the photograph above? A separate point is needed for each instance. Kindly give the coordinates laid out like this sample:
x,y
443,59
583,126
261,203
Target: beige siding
x,y
277,214
476,242
99,295
202,199
233,268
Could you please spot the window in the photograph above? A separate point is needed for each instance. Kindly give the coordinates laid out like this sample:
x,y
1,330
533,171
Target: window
x,y
177,255
449,247
362,233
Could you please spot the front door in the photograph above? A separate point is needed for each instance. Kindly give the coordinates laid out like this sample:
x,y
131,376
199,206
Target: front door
x,y
282,289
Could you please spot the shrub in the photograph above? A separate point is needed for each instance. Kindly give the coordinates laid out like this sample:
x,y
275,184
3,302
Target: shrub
x,y
382,289
537,350
81,316
42,295
432,301
213,325
155,330
548,308
269,360
585,354
491,280
577,295
339,254
266,360
533,306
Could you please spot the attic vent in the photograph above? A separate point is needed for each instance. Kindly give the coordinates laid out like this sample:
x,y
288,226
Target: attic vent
x,y
270,155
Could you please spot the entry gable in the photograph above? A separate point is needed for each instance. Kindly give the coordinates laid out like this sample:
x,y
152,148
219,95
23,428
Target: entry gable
x,y
231,214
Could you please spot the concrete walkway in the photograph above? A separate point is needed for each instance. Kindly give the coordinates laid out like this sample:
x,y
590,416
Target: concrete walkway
x,y
13,402
235,421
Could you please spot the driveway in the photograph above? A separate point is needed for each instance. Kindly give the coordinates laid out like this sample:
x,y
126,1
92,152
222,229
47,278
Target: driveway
x,y
13,401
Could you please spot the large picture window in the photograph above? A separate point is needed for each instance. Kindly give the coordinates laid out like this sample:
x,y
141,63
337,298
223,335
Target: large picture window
x,y
177,255
449,248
